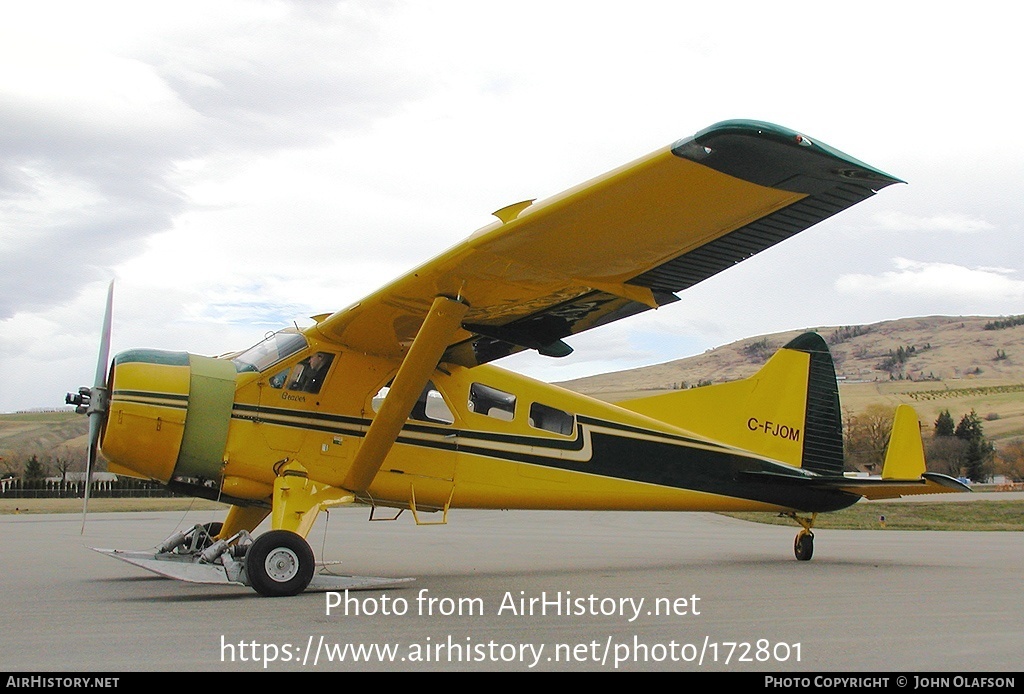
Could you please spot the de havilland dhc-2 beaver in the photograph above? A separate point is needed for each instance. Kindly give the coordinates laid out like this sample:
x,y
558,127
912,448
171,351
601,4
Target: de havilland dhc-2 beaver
x,y
393,402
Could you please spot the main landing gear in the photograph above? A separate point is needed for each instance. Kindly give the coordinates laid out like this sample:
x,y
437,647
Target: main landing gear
x,y
275,564
279,563
803,545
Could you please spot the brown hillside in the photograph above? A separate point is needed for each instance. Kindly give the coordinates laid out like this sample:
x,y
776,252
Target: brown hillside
x,y
955,364
937,348
47,435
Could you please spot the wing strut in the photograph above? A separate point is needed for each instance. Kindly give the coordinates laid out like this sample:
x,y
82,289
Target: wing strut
x,y
441,323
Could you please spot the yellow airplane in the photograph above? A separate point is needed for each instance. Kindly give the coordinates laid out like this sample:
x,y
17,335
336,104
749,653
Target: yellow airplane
x,y
393,402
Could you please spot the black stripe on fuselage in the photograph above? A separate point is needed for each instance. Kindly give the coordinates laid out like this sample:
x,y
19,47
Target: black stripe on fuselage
x,y
621,452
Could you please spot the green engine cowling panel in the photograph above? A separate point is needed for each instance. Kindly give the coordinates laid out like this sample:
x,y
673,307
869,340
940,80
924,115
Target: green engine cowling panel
x,y
211,396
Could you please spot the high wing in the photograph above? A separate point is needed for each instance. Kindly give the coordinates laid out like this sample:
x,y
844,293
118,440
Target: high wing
x,y
614,246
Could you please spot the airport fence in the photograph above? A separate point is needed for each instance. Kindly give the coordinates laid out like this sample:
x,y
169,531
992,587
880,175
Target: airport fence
x,y
111,489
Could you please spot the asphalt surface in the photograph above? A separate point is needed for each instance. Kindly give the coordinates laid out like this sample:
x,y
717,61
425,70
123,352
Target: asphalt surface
x,y
718,595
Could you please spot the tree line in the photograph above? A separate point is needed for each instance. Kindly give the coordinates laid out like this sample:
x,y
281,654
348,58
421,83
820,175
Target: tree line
x,y
1003,323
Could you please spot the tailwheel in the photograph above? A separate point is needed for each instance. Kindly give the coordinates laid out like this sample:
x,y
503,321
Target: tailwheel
x,y
279,563
803,546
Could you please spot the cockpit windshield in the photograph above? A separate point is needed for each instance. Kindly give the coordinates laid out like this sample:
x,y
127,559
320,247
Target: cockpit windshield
x,y
273,349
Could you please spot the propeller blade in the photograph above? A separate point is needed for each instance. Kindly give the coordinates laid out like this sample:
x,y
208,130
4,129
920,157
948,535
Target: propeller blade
x,y
99,400
101,364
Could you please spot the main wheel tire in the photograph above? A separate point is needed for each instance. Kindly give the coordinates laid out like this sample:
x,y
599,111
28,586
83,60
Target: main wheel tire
x,y
279,563
803,546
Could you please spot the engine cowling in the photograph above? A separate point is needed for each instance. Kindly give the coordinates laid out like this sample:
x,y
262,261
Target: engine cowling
x,y
169,416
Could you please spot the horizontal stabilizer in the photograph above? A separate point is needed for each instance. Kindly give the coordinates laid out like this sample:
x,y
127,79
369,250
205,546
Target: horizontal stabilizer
x,y
868,487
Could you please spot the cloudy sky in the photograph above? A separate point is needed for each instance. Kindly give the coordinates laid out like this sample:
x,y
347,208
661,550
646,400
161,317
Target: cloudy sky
x,y
237,166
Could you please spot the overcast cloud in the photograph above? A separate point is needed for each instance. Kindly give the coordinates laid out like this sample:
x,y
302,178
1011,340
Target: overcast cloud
x,y
237,166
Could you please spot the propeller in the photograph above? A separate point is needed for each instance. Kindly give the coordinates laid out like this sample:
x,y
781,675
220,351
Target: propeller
x,y
95,401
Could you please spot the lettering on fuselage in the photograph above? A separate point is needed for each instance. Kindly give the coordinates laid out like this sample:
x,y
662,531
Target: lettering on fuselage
x,y
770,428
296,398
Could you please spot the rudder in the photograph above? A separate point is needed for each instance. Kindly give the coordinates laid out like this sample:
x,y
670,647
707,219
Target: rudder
x,y
823,444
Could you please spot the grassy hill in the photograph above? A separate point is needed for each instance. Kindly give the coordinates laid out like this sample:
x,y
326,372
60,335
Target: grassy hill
x,y
47,435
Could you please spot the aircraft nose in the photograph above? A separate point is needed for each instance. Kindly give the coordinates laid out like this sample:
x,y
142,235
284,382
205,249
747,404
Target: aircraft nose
x,y
169,416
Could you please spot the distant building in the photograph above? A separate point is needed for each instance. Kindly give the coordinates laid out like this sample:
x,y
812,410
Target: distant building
x,y
80,477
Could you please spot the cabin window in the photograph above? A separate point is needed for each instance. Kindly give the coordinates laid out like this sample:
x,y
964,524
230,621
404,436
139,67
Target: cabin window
x,y
551,419
307,376
492,402
273,349
429,407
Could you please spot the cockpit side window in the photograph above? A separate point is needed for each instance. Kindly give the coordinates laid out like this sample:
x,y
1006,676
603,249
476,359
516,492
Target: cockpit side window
x,y
270,351
307,376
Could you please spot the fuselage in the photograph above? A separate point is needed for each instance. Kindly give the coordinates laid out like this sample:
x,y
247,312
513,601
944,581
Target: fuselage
x,y
477,438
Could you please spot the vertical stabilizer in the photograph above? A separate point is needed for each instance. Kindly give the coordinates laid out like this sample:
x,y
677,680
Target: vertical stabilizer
x,y
788,411
904,458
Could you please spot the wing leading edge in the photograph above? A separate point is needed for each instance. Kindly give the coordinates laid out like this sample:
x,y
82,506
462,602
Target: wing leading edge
x,y
615,246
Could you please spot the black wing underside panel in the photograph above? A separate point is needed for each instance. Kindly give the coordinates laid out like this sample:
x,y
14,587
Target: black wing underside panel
x,y
774,158
696,266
